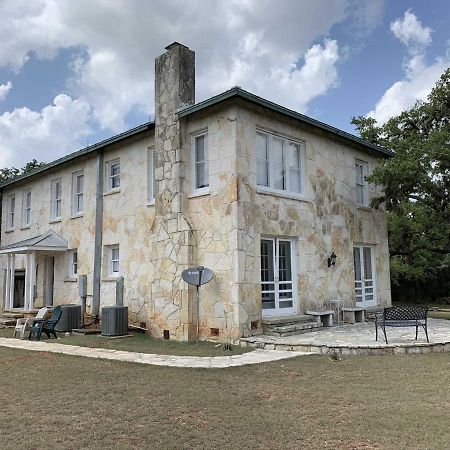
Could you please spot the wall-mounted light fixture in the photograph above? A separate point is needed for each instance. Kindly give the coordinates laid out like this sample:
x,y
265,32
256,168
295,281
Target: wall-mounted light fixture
x,y
332,259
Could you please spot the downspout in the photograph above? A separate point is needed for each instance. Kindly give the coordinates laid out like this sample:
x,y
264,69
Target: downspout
x,y
98,233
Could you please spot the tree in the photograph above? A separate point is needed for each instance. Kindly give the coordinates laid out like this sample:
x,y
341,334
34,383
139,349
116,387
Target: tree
x,y
416,186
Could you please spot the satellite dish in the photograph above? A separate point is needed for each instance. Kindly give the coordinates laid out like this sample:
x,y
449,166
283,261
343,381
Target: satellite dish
x,y
197,276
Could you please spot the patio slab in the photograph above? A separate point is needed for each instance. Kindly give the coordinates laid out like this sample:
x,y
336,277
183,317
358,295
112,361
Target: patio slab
x,y
359,339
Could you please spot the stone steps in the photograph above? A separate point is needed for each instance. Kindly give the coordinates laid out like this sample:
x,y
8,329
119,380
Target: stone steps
x,y
11,315
7,322
289,325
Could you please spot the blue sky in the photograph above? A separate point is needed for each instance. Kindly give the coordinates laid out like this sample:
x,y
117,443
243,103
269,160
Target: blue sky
x,y
75,72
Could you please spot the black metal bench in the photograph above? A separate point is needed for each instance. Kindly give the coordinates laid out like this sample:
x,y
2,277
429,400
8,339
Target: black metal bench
x,y
402,316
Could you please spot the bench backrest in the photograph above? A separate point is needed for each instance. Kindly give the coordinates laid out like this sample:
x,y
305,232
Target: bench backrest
x,y
411,312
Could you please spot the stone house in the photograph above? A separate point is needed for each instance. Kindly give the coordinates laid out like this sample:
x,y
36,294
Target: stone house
x,y
260,194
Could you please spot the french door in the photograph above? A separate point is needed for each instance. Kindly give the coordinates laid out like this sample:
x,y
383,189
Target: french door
x,y
365,289
277,277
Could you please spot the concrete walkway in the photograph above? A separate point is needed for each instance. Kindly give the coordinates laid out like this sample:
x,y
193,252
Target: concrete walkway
x,y
212,362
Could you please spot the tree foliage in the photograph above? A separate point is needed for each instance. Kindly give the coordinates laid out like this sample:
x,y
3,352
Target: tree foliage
x,y
416,185
9,173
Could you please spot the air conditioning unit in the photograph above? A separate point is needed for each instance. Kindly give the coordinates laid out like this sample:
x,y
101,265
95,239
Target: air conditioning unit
x,y
70,318
114,320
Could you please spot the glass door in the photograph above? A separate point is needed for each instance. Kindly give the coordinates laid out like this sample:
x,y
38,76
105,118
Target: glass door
x,y
363,259
277,277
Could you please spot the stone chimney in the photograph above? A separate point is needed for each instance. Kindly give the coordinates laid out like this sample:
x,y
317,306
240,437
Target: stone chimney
x,y
172,236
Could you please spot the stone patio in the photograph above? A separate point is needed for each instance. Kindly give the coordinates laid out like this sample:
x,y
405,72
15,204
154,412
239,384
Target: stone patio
x,y
359,339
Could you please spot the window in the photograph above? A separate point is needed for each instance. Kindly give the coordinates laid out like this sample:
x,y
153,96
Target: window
x,y
151,182
362,197
56,199
73,263
113,260
11,212
200,162
113,175
26,208
77,193
279,163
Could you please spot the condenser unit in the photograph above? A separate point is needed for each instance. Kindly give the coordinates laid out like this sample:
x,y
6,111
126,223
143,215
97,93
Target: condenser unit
x,y
114,320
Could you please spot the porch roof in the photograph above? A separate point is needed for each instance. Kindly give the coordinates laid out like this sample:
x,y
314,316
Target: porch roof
x,y
49,241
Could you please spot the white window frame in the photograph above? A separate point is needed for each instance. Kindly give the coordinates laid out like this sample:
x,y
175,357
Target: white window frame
x,y
77,195
55,200
11,213
110,178
73,263
26,208
271,163
194,163
364,185
111,260
151,181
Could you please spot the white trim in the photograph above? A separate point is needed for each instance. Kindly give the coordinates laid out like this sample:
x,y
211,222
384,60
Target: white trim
x,y
109,262
374,301
72,274
285,165
109,177
194,188
365,188
55,199
11,213
26,208
77,194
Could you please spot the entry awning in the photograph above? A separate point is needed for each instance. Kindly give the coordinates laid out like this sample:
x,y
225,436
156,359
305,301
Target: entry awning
x,y
49,242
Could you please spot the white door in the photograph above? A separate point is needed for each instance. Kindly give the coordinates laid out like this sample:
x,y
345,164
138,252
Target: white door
x,y
365,289
277,277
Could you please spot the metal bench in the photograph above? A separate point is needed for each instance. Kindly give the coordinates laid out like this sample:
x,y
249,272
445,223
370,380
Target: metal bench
x,y
402,316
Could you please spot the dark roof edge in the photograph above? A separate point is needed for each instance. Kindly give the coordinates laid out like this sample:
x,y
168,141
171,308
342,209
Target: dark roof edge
x,y
238,92
92,148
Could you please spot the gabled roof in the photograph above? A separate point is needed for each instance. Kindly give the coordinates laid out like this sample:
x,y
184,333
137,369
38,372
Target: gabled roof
x,y
85,151
49,241
237,92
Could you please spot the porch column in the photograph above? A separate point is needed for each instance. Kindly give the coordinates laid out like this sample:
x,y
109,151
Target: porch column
x,y
7,281
32,279
12,268
26,300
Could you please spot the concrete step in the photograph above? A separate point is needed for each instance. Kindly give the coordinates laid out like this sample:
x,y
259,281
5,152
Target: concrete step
x,y
296,328
11,315
7,322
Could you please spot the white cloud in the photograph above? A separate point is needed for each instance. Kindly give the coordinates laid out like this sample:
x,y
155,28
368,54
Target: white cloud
x,y
281,52
44,135
4,89
419,78
410,31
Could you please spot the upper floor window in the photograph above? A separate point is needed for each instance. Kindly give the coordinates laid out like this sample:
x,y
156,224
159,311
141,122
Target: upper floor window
x,y
200,162
11,212
361,169
73,263
151,182
56,204
77,193
26,208
113,175
279,163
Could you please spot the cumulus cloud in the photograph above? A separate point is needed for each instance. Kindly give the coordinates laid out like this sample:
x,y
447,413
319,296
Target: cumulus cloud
x,y
4,89
44,135
282,53
419,77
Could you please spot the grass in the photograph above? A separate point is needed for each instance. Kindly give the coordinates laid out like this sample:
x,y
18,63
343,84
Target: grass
x,y
143,343
63,402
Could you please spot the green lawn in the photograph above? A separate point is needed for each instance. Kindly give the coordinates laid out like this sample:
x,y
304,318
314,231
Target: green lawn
x,y
63,402
140,342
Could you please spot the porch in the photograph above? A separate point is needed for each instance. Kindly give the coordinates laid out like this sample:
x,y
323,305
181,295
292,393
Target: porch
x,y
21,279
359,339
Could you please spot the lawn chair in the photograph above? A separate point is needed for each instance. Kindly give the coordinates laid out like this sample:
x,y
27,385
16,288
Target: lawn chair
x,y
46,326
23,325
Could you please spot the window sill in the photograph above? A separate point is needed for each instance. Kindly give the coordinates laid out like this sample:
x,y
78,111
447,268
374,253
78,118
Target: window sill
x,y
77,216
25,227
111,278
9,230
279,194
55,220
199,193
111,192
70,280
364,207
151,202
